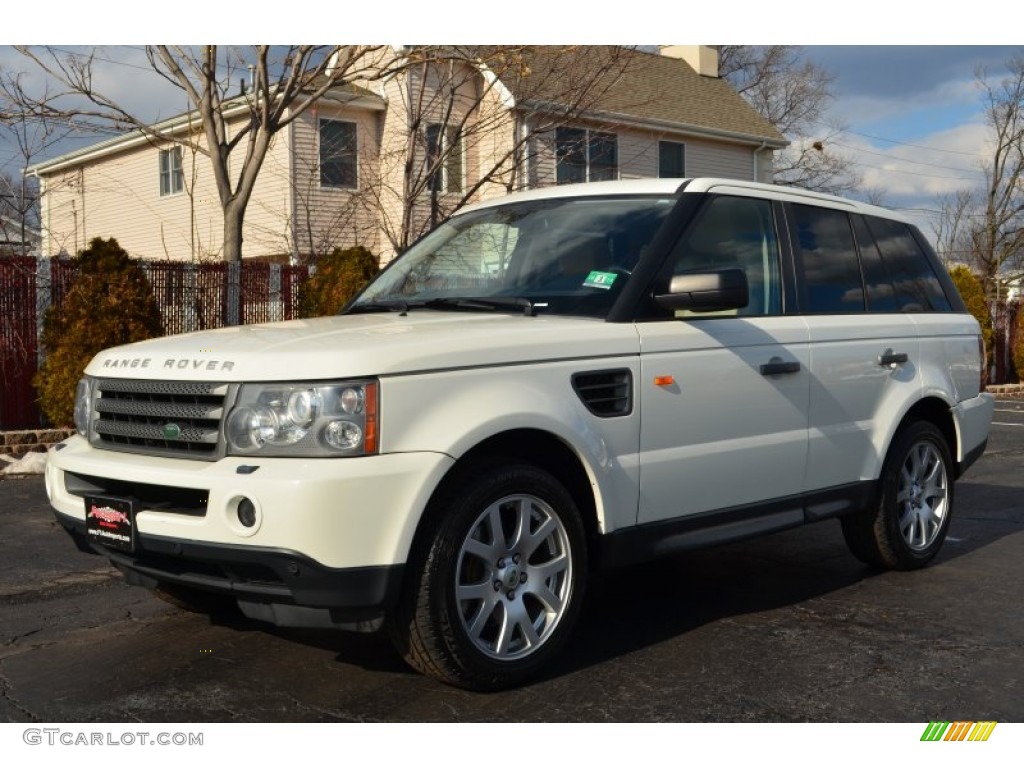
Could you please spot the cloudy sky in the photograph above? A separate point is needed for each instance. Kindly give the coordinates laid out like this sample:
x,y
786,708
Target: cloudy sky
x,y
913,116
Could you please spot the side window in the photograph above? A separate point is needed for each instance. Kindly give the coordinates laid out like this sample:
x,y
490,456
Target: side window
x,y
827,261
736,232
583,155
337,154
172,180
671,160
880,292
917,287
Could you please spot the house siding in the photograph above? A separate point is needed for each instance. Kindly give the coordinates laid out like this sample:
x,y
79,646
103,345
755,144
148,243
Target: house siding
x,y
495,149
638,155
727,161
420,98
326,218
120,197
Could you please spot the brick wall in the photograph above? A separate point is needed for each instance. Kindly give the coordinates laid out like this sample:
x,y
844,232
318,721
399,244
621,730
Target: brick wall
x,y
19,443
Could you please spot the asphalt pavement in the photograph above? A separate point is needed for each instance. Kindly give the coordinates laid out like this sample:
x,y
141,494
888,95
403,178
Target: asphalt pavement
x,y
788,627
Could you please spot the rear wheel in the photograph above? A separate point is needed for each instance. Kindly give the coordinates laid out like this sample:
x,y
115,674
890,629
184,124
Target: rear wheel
x,y
908,525
499,583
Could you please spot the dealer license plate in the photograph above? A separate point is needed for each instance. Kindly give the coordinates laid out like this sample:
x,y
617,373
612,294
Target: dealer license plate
x,y
110,522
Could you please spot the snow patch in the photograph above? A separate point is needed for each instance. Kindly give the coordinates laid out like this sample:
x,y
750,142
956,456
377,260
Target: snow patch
x,y
29,464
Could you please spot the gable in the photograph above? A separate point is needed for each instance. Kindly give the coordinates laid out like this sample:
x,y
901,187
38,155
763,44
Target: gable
x,y
616,82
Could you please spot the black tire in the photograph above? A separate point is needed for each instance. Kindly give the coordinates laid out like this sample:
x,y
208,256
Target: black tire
x,y
905,529
485,610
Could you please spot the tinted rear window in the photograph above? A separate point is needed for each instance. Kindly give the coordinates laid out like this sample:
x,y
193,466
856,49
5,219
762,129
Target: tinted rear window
x,y
916,285
881,294
828,256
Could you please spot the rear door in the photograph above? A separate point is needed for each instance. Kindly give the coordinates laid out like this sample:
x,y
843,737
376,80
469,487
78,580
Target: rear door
x,y
864,347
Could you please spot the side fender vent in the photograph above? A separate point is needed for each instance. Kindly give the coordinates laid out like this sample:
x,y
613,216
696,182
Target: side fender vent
x,y
605,393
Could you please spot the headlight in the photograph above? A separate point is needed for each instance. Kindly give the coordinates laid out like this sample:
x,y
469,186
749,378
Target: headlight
x,y
335,419
83,406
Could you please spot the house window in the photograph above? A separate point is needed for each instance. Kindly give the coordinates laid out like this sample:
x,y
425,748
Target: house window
x,y
337,154
444,158
671,160
582,155
172,180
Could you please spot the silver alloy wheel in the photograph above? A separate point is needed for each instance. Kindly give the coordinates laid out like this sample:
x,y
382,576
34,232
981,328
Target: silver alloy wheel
x,y
922,495
514,577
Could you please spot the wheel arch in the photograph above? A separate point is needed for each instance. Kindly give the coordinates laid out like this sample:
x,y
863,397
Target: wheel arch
x,y
936,411
530,446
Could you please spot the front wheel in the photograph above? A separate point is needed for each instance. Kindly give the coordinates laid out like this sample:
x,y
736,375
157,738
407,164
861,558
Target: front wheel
x,y
497,586
907,527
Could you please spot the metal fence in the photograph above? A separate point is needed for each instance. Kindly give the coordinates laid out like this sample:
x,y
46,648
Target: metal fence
x,y
191,297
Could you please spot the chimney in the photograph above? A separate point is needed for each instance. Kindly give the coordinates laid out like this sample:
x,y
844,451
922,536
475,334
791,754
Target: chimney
x,y
703,58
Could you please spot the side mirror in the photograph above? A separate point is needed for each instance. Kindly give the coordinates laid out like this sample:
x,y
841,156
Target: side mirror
x,y
711,291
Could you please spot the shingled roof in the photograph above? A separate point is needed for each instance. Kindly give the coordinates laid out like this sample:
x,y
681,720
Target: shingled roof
x,y
631,84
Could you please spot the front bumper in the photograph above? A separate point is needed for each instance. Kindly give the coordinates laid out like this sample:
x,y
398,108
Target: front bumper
x,y
282,587
329,533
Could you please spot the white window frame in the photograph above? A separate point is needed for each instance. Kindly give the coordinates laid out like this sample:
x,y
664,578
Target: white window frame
x,y
452,147
172,176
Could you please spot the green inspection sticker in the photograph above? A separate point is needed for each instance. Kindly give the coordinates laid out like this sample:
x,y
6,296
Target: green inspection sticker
x,y
600,280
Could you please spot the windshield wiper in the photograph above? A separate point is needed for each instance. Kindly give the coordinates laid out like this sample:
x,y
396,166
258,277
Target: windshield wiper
x,y
465,303
389,305
485,302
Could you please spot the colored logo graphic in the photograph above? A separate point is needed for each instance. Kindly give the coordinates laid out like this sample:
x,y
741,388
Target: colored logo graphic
x,y
959,731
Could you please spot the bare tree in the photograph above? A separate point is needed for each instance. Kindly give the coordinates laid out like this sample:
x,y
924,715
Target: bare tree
x,y
984,227
460,100
952,228
998,238
233,132
793,94
18,212
29,136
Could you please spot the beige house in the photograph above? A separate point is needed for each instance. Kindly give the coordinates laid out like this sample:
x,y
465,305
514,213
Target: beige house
x,y
376,163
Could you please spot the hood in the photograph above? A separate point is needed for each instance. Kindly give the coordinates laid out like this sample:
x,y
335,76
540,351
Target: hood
x,y
365,345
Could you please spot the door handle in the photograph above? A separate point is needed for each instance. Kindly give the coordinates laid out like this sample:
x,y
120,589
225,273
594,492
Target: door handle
x,y
892,358
777,365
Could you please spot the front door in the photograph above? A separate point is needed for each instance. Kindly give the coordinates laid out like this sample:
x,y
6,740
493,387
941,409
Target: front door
x,y
724,396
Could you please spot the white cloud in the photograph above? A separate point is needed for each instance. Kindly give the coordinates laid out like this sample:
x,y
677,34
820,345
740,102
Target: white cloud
x,y
933,165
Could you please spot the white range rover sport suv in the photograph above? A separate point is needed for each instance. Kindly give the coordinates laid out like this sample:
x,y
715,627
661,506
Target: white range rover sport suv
x,y
568,379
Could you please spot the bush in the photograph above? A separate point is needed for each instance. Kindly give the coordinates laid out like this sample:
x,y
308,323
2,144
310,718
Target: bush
x,y
339,276
974,297
109,303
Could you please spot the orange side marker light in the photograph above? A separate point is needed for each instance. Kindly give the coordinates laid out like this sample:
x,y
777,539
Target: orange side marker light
x,y
664,381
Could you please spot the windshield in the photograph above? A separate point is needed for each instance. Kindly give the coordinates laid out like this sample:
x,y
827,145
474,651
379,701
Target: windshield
x,y
559,256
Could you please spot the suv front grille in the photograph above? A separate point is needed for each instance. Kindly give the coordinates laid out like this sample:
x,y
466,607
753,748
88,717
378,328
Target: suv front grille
x,y
161,418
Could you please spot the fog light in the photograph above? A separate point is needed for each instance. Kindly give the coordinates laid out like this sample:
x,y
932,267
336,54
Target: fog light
x,y
246,513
